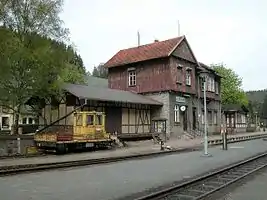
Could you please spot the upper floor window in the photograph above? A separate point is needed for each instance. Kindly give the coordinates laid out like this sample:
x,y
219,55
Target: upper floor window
x,y
188,77
132,78
208,84
212,85
202,84
179,74
216,87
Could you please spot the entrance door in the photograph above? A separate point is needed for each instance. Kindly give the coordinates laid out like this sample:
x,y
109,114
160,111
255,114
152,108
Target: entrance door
x,y
194,119
185,120
113,119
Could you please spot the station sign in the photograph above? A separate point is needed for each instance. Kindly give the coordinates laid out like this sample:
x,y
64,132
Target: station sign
x,y
180,99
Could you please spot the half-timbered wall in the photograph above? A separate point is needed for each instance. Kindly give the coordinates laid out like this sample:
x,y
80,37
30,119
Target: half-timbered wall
x,y
135,121
120,117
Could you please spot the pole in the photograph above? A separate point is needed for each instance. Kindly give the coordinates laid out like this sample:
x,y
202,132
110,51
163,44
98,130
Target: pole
x,y
138,38
178,26
205,120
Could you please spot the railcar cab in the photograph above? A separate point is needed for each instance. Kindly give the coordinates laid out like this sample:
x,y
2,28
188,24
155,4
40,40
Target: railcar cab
x,y
89,122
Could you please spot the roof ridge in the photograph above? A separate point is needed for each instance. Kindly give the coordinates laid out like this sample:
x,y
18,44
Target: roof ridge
x,y
160,41
158,49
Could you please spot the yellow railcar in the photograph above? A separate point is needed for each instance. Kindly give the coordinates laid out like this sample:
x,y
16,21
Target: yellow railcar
x,y
88,131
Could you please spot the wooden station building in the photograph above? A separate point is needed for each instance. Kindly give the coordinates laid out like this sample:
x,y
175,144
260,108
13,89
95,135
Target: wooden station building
x,y
160,81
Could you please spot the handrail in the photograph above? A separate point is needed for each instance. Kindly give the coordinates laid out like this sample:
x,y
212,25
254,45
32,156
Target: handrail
x,y
47,126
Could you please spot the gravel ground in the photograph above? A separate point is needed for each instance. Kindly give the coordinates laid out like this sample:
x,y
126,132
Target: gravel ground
x,y
253,188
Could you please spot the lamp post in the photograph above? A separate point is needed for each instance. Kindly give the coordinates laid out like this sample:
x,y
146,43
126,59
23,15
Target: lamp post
x,y
204,79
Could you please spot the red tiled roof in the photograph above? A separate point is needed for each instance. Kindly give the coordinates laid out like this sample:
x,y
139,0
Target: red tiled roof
x,y
144,52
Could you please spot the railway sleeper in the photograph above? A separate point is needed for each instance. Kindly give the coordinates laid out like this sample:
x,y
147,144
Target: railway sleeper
x,y
192,193
180,197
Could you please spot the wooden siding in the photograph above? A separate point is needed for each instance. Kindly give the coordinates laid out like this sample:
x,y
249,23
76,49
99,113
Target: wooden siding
x,y
178,75
159,74
183,51
151,76
51,114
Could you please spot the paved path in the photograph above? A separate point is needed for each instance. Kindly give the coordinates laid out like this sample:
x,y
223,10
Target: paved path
x,y
114,180
134,149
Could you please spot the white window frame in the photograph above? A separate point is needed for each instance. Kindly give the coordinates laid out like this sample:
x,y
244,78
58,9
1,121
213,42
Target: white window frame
x,y
176,113
208,84
188,77
132,78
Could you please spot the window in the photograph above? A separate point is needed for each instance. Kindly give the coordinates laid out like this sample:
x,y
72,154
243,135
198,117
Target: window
x,y
24,120
5,122
30,120
188,77
90,120
208,84
98,120
176,114
132,78
209,117
79,121
216,87
202,84
179,75
243,118
215,117
212,85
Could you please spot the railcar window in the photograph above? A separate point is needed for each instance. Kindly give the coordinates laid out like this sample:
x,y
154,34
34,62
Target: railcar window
x,y
90,120
79,121
98,120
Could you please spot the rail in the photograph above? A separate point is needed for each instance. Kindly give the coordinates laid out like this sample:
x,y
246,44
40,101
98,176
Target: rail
x,y
206,185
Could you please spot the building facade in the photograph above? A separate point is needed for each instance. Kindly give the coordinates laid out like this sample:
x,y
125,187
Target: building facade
x,y
168,72
27,117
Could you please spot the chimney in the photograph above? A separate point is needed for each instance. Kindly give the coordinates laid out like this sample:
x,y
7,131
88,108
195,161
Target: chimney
x,y
156,40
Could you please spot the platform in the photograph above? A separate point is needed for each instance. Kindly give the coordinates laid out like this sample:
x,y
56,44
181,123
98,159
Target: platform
x,y
115,180
135,148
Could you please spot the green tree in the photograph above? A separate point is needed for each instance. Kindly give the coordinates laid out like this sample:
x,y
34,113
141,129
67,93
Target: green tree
x,y
231,86
100,71
34,59
264,108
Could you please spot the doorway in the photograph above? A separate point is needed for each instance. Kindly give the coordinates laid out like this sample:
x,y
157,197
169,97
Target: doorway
x,y
194,119
185,120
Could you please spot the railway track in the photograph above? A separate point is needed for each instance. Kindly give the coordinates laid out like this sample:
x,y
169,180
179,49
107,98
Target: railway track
x,y
29,168
206,185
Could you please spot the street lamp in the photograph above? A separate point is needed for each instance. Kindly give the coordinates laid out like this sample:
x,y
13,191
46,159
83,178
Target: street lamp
x,y
204,79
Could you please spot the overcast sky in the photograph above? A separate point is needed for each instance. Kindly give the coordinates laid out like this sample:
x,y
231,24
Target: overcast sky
x,y
230,31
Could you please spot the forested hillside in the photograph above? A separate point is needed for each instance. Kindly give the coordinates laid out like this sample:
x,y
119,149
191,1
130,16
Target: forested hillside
x,y
257,95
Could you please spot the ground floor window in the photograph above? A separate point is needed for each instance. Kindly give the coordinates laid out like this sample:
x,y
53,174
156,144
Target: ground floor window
x,y
28,120
243,119
5,122
215,117
209,117
176,114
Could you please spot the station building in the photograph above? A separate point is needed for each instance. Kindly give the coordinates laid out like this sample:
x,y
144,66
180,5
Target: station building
x,y
152,87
